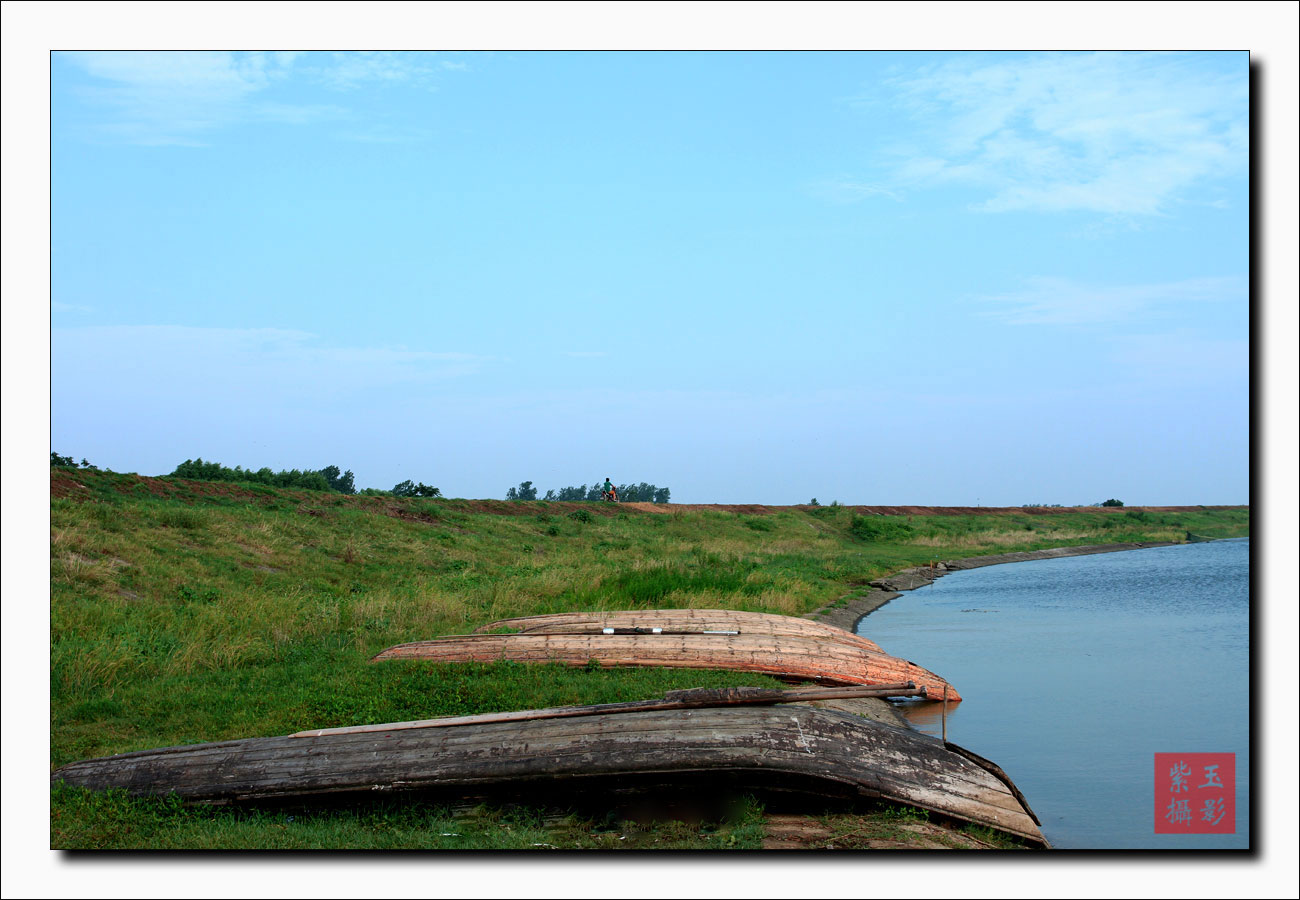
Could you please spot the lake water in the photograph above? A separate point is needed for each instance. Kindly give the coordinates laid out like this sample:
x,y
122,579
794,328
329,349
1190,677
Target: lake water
x,y
1076,671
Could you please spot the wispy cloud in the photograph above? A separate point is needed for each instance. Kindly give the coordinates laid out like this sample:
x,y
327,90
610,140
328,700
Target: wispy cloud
x,y
1115,133
185,361
179,98
349,71
848,190
59,306
161,98
1059,301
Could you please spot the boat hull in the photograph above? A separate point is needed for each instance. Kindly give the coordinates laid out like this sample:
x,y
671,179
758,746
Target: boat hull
x,y
681,620
791,749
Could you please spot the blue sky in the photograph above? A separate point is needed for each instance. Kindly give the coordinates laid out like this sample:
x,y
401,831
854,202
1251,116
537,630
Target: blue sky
x,y
873,277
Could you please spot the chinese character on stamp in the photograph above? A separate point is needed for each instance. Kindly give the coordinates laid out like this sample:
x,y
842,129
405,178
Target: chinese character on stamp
x,y
1196,793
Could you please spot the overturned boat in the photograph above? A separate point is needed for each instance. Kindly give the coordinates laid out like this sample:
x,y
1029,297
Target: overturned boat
x,y
770,750
678,621
789,657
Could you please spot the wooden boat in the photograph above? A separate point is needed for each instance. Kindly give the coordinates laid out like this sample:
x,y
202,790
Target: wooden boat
x,y
679,621
773,751
788,657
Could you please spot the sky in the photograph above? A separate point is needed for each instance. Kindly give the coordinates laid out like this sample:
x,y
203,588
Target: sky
x,y
872,277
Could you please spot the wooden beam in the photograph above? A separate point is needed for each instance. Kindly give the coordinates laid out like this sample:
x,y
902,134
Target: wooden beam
x,y
693,698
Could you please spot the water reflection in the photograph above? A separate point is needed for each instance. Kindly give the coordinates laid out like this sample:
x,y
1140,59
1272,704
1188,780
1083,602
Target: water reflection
x,y
928,717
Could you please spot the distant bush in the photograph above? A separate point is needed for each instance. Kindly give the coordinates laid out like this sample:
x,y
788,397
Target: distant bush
x,y
571,494
1112,502
409,488
326,479
69,462
880,528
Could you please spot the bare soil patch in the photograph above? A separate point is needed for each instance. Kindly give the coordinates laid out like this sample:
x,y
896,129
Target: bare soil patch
x,y
801,832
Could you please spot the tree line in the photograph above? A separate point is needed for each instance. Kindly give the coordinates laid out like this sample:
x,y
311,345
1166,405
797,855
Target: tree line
x,y
631,493
331,478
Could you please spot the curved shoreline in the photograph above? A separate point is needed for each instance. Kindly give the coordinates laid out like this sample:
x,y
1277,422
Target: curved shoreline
x,y
891,586
859,606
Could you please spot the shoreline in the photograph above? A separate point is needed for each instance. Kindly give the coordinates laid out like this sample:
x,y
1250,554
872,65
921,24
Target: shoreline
x,y
883,590
909,579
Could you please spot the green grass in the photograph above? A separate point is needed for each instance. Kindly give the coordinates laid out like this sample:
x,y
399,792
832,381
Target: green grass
x,y
82,819
188,612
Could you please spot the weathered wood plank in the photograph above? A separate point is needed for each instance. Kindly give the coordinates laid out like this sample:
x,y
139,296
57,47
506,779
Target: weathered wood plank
x,y
785,656
685,621
694,698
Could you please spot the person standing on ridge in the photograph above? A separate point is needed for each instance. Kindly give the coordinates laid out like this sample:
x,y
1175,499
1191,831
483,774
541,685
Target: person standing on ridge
x,y
609,492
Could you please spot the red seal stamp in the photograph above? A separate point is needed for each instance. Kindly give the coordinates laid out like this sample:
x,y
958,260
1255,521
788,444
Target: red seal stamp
x,y
1196,793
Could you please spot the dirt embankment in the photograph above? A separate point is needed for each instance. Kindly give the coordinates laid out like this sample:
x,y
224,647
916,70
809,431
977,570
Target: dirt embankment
x,y
75,484
758,509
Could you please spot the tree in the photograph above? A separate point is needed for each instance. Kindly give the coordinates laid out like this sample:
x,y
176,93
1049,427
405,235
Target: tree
x,y
343,483
409,488
1112,502
525,491
643,493
56,460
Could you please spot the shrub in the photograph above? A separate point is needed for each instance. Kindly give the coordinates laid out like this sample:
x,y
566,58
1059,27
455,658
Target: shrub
x,y
880,528
327,479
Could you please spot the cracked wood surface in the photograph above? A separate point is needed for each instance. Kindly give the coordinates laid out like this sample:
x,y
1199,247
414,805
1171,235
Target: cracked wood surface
x,y
800,748
683,621
783,656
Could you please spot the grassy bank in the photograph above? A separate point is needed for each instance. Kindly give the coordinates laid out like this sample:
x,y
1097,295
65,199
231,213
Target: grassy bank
x,y
188,611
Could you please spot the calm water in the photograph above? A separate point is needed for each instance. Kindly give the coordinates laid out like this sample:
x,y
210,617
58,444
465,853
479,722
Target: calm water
x,y
1076,671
